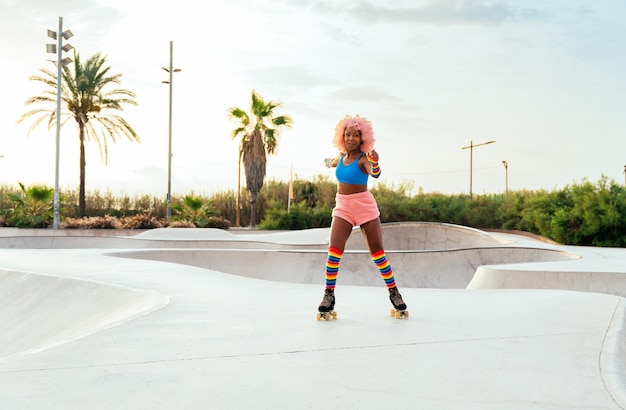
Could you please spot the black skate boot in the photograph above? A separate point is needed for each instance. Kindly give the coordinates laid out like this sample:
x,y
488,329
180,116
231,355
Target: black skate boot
x,y
325,310
399,307
328,302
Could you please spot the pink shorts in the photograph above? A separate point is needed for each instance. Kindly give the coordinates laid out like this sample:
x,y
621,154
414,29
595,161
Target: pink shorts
x,y
356,209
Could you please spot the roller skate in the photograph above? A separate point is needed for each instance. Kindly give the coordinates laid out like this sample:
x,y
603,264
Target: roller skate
x,y
325,310
399,307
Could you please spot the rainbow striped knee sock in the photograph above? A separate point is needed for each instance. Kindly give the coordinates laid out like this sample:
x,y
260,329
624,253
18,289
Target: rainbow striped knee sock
x,y
380,259
332,266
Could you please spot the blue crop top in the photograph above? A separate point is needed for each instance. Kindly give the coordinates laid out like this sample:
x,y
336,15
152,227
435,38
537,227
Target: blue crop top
x,y
351,174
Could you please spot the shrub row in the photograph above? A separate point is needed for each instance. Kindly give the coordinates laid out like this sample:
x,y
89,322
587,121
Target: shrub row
x,y
583,213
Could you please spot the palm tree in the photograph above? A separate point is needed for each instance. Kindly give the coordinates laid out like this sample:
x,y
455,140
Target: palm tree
x,y
85,100
259,134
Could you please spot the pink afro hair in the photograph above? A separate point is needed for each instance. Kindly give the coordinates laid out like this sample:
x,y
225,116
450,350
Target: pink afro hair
x,y
359,123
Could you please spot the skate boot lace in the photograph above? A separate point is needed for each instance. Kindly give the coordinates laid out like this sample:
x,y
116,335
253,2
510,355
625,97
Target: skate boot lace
x,y
396,298
329,298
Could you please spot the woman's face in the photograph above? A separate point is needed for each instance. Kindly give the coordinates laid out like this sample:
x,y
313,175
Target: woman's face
x,y
352,138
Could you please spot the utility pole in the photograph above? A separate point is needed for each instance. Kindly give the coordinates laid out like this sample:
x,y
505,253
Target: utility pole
x,y
506,171
471,147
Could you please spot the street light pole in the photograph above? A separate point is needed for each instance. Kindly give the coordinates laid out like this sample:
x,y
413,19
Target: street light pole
x,y
237,213
506,170
171,70
471,147
55,223
58,49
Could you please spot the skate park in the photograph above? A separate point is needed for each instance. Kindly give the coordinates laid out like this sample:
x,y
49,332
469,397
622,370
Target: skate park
x,y
205,318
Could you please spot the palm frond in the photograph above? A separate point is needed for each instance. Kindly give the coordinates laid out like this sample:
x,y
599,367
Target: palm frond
x,y
282,120
237,132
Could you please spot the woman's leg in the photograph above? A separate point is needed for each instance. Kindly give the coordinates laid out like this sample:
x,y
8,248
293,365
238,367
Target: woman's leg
x,y
340,231
372,232
373,236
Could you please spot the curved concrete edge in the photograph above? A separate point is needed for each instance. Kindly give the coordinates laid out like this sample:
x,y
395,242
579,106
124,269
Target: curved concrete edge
x,y
121,242
441,269
429,236
613,356
11,232
549,276
397,235
40,312
314,236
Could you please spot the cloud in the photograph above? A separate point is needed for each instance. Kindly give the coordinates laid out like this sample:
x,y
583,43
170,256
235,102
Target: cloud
x,y
363,93
440,12
287,76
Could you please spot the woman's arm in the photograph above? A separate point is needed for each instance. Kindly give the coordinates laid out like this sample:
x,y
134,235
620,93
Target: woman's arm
x,y
372,163
332,162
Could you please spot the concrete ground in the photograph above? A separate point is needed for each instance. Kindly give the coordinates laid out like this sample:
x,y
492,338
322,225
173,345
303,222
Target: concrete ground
x,y
211,319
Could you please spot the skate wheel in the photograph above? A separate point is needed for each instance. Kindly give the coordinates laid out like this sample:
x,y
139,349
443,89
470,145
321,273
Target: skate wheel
x,y
392,313
399,314
326,315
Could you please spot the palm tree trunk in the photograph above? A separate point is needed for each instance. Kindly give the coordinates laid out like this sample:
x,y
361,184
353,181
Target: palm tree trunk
x,y
82,208
253,199
254,161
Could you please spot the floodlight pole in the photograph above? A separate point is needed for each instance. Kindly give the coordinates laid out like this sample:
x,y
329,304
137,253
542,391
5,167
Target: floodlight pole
x,y
171,70
59,36
471,147
55,223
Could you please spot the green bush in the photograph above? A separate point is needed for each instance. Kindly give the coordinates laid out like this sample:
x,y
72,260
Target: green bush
x,y
196,210
33,207
299,216
583,213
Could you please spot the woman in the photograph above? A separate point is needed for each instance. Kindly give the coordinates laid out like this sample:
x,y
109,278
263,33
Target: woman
x,y
356,206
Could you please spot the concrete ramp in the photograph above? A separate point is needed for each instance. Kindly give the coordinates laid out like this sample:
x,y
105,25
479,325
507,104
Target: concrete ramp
x,y
600,278
415,236
38,312
424,254
453,269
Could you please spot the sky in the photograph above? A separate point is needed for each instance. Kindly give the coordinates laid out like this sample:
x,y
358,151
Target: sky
x,y
544,80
